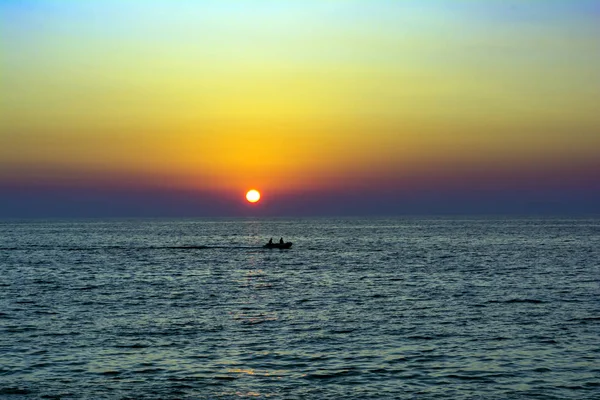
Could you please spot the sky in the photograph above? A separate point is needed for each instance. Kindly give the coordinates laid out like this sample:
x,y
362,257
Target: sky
x,y
356,107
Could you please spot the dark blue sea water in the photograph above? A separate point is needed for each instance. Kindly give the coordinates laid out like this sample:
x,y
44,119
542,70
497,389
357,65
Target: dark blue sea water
x,y
357,309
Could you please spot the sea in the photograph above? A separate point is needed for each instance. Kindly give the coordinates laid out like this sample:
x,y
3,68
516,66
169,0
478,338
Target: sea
x,y
358,308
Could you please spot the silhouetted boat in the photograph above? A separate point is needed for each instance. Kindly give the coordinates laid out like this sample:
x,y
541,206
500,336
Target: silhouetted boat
x,y
285,245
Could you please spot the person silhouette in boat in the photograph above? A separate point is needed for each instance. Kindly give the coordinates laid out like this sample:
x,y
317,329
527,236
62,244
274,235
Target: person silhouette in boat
x,y
271,241
281,241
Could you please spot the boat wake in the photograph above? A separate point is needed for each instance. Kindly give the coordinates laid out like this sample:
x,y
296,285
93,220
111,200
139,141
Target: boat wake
x,y
210,247
70,248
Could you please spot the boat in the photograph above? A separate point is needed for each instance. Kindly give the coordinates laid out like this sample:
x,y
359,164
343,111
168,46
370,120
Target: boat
x,y
285,245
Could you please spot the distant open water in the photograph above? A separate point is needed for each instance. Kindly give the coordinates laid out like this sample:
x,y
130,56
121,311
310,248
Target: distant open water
x,y
357,309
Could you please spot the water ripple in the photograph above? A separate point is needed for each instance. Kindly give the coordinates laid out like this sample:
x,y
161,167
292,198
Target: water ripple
x,y
390,308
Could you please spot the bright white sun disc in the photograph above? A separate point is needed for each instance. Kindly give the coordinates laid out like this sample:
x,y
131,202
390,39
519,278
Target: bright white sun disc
x,y
253,196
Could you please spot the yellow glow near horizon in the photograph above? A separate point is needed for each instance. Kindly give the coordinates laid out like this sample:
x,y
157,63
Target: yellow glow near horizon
x,y
322,94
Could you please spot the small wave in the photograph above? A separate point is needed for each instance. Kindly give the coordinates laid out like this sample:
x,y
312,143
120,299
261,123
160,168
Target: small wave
x,y
43,282
149,371
531,301
58,396
332,374
43,312
342,330
132,346
14,390
548,341
225,378
181,379
445,256
585,319
110,373
381,371
421,337
19,329
511,301
471,378
257,321
85,288
571,387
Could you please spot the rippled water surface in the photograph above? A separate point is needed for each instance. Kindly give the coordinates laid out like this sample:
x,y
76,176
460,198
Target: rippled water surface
x,y
357,309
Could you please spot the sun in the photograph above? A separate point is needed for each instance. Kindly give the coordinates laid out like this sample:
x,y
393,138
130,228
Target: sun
x,y
253,196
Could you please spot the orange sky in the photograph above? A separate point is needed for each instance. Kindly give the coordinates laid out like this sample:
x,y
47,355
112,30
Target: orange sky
x,y
296,97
